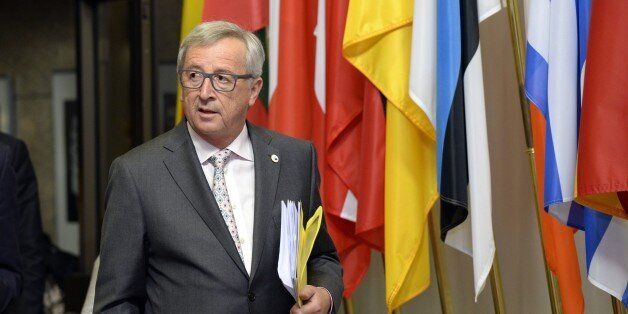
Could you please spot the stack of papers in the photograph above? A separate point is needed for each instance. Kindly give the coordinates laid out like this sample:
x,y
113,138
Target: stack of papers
x,y
288,246
296,245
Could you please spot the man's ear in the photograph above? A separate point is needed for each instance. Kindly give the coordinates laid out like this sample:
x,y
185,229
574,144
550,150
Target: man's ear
x,y
256,88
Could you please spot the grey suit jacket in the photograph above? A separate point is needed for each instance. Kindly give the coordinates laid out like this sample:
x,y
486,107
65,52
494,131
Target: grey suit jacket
x,y
165,247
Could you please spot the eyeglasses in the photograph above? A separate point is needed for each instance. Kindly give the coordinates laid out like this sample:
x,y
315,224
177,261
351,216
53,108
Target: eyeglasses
x,y
223,82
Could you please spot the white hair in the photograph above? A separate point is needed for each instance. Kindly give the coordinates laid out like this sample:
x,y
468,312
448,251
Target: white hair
x,y
205,34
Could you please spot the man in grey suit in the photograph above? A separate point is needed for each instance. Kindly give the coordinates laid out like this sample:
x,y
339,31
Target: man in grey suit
x,y
192,222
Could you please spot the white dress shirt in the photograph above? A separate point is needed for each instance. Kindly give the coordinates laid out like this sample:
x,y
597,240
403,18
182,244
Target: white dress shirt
x,y
240,181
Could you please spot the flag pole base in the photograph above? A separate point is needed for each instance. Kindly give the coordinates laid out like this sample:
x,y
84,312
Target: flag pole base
x,y
347,304
618,307
496,288
439,266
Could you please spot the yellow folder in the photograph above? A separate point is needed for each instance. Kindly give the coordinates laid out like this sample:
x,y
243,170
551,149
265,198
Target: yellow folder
x,y
307,236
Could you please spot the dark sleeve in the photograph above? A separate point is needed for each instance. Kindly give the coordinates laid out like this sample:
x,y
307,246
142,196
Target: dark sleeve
x,y
10,278
120,286
324,268
30,235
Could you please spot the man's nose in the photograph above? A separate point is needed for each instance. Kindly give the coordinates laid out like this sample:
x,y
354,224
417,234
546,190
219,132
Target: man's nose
x,y
207,90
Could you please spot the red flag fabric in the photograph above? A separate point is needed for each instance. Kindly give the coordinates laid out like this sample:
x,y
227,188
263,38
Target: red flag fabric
x,y
335,124
558,239
293,102
355,141
344,92
370,220
602,147
251,15
294,109
258,114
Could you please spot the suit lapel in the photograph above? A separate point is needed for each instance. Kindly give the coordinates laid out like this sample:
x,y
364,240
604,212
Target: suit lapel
x,y
186,171
266,177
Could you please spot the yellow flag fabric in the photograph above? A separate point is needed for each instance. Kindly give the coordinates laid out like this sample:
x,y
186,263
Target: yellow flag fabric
x,y
192,15
377,41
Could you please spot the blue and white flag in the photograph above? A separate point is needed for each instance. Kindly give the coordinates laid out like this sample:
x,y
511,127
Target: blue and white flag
x,y
607,254
554,88
555,67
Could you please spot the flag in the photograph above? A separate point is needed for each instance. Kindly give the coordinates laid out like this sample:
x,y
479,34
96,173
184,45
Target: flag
x,y
558,239
602,162
606,241
354,174
341,201
297,87
605,263
299,108
555,88
552,76
251,15
377,42
297,102
603,148
294,108
464,176
370,218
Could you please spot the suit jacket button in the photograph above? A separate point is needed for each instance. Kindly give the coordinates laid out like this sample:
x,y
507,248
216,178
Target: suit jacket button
x,y
251,297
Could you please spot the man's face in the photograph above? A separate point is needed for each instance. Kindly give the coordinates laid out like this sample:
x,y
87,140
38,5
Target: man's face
x,y
218,116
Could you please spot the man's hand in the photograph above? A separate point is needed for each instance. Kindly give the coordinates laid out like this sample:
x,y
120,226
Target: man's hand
x,y
315,300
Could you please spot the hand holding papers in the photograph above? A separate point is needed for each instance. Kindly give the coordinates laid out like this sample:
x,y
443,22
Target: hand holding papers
x,y
296,246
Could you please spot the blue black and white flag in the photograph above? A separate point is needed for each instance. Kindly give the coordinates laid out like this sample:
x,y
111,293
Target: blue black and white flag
x,y
458,112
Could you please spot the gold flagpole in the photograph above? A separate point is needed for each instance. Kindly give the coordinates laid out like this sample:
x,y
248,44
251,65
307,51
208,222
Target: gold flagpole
x,y
347,305
439,266
516,37
496,288
618,307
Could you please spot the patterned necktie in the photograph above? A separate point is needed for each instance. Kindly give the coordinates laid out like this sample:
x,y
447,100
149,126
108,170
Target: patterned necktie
x,y
222,197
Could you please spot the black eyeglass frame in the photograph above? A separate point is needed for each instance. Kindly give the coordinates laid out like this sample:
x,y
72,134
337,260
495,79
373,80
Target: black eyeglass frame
x,y
210,76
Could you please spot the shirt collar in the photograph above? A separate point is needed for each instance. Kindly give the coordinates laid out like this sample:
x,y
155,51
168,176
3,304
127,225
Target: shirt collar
x,y
241,146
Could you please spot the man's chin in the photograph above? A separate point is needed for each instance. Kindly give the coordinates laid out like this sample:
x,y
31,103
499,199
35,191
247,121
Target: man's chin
x,y
203,127
208,130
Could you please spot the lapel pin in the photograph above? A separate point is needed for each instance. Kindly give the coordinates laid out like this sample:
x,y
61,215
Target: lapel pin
x,y
274,158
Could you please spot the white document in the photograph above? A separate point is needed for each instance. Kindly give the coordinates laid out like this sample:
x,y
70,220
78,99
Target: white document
x,y
288,246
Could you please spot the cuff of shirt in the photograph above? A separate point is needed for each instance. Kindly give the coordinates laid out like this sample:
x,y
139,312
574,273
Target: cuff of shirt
x,y
331,299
